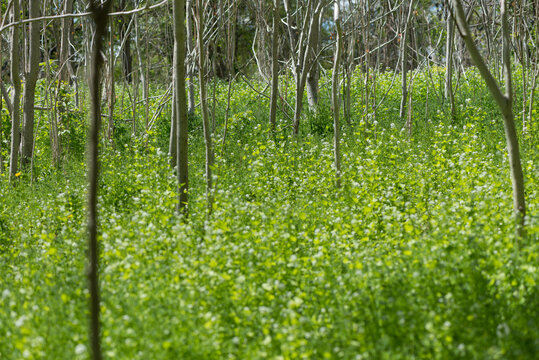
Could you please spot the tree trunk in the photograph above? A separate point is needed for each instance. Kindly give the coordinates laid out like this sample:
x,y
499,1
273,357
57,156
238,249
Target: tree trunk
x,y
190,64
260,41
143,79
275,65
127,58
365,20
30,84
65,64
99,14
314,73
16,84
203,102
504,101
181,107
111,92
335,98
535,74
51,102
231,38
404,60
448,88
172,150
147,77
303,61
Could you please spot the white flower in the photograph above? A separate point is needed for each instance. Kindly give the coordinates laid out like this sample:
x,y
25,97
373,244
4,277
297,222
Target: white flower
x,y
80,349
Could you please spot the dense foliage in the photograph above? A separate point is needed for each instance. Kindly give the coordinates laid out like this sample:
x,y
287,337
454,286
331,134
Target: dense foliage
x,y
414,257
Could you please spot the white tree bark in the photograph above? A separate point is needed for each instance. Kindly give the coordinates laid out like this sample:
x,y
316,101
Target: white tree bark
x,y
16,84
504,101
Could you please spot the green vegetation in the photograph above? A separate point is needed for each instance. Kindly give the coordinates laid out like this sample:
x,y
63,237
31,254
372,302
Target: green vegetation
x,y
415,256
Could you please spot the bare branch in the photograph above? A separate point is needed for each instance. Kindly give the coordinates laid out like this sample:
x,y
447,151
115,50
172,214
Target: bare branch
x,y
85,14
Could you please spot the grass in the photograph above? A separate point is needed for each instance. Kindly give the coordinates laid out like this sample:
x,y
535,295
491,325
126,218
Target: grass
x,y
413,258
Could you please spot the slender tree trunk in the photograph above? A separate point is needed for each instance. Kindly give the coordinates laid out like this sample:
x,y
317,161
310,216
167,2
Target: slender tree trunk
x,y
125,38
504,101
227,111
181,107
335,93
521,46
99,14
30,84
404,60
214,90
528,124
314,73
51,102
172,150
448,88
347,79
190,64
231,36
66,23
23,7
134,103
303,60
275,65
111,91
203,102
16,84
147,77
143,79
535,73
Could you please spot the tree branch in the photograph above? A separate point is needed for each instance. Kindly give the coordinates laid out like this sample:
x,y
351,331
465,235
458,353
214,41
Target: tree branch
x,y
73,16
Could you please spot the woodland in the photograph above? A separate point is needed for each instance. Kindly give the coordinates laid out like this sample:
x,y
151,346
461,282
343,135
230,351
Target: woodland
x,y
269,179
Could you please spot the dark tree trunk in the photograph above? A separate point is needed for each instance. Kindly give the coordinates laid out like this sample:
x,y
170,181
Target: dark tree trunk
x,y
99,14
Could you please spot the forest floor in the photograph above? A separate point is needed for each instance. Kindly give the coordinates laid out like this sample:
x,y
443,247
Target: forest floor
x,y
414,257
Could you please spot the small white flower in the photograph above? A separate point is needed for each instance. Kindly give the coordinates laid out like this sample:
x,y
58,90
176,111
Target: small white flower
x,y
20,321
80,349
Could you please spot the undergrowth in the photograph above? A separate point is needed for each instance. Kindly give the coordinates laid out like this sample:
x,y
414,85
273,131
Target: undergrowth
x,y
414,257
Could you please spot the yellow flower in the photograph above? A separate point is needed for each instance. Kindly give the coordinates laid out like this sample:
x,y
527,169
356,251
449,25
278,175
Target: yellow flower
x,y
18,174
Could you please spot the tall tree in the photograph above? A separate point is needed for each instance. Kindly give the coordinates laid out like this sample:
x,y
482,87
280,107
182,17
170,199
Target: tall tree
x,y
180,105
111,87
66,24
336,91
100,17
302,55
203,100
314,72
16,84
504,100
406,10
448,86
190,52
31,74
275,64
125,40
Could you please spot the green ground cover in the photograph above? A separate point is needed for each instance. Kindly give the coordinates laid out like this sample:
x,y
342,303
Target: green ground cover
x,y
413,258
